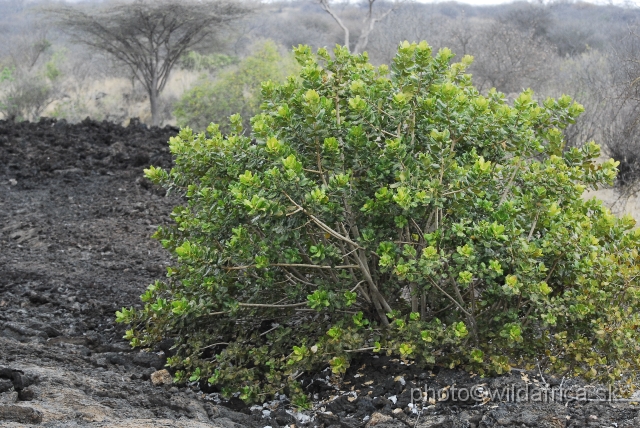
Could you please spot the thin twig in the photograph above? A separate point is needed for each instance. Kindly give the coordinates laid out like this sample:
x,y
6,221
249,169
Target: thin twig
x,y
292,279
533,226
266,305
358,285
322,225
555,263
270,330
449,296
508,187
541,376
362,349
301,265
214,344
295,212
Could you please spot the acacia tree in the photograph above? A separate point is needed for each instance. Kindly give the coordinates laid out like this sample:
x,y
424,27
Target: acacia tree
x,y
148,37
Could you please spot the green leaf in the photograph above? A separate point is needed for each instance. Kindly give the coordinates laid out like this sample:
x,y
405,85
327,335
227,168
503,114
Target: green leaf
x,y
338,365
460,329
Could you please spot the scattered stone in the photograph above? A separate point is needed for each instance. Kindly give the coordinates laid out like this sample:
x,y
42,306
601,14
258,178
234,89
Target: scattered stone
x,y
378,419
161,377
22,415
328,418
218,413
148,359
51,331
9,397
432,422
21,381
26,394
19,332
99,361
283,418
5,385
146,374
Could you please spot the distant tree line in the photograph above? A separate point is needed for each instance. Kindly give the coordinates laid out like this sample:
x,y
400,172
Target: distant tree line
x,y
588,51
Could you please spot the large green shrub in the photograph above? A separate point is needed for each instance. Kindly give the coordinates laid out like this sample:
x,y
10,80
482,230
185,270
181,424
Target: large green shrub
x,y
395,211
236,90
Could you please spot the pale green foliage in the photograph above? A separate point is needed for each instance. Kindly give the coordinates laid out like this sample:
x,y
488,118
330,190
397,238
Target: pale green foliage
x,y
363,183
195,61
234,91
6,74
25,93
52,67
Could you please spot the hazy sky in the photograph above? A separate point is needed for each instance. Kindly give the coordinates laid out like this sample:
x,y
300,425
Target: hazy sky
x,y
488,2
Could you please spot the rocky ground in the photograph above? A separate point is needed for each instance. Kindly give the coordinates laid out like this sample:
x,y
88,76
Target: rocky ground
x,y
75,225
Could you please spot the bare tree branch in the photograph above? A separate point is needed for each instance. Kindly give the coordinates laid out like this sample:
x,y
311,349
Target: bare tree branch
x,y
370,22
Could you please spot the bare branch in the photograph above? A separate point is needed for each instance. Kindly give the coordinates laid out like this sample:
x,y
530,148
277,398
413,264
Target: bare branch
x,y
370,22
327,8
454,301
295,265
261,305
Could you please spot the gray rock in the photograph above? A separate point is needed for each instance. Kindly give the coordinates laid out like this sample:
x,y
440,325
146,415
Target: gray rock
x,y
5,385
26,394
101,360
115,347
284,418
391,424
226,423
528,418
328,418
146,373
21,380
20,414
148,359
9,397
38,299
218,413
6,372
20,333
433,422
51,331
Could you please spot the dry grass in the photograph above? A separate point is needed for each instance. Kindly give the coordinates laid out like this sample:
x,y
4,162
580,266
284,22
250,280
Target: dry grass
x,y
619,204
117,99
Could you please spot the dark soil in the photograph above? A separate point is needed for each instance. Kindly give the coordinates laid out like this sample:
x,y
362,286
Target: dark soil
x,y
75,223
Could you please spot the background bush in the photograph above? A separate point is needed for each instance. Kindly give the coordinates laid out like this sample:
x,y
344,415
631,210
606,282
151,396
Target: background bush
x,y
195,61
391,210
26,91
235,91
